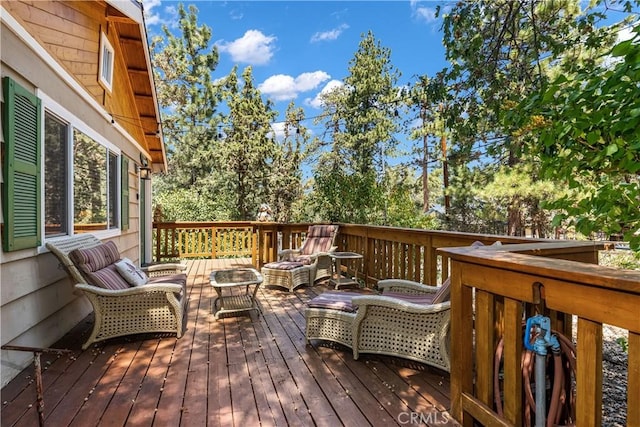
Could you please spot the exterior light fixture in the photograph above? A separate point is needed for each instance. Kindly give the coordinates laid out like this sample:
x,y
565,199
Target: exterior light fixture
x,y
144,170
145,173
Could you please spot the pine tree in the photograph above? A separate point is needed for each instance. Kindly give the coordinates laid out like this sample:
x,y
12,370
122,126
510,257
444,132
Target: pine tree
x,y
183,66
360,118
248,144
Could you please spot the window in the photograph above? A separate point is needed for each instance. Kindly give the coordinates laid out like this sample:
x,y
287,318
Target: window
x,y
112,179
105,71
58,175
56,135
82,176
95,185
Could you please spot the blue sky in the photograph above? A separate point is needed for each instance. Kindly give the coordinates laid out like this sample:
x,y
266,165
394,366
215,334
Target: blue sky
x,y
297,49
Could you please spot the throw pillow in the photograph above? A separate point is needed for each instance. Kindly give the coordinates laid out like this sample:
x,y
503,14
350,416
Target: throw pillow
x,y
131,273
96,258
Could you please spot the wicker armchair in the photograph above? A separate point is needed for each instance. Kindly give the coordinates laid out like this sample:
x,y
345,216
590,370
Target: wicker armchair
x,y
408,320
410,328
158,306
306,265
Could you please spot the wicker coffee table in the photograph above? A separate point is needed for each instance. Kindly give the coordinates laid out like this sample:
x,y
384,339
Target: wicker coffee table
x,y
234,301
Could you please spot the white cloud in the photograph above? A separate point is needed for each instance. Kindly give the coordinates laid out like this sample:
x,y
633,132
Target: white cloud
x,y
329,35
279,86
310,81
282,87
252,48
278,130
152,16
427,14
317,102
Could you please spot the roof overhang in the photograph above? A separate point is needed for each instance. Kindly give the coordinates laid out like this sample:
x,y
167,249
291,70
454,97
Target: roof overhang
x,y
128,17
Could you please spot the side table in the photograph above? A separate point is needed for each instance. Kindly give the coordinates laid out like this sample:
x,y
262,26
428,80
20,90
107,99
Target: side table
x,y
235,302
339,280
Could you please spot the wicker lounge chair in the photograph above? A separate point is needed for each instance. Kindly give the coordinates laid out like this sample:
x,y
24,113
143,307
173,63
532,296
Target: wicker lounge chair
x,y
157,306
310,263
408,320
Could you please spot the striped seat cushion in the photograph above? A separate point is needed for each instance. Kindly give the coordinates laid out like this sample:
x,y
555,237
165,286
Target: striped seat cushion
x,y
337,300
108,278
97,265
178,279
283,265
341,300
412,298
319,239
444,292
442,295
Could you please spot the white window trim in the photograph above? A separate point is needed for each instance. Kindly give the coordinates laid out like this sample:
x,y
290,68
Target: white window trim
x,y
105,44
54,108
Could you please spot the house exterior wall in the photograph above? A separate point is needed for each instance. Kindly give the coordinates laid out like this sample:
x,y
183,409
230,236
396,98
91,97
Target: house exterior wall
x,y
37,302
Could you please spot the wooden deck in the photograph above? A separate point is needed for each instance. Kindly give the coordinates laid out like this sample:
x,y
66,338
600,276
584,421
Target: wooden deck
x,y
248,370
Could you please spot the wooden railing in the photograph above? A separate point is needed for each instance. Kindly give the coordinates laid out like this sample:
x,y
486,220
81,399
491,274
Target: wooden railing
x,y
493,290
173,240
387,251
390,252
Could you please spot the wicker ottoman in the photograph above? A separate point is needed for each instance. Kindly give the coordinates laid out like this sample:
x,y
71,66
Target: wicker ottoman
x,y
329,325
285,274
330,316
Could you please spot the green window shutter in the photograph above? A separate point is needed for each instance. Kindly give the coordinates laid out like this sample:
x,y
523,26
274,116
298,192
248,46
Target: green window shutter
x,y
21,191
124,220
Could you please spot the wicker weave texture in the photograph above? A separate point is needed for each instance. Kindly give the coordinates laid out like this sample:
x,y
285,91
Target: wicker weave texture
x,y
134,313
329,325
289,279
389,326
148,308
324,268
395,331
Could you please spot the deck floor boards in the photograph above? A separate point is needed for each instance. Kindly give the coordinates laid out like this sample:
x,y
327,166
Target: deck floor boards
x,y
248,370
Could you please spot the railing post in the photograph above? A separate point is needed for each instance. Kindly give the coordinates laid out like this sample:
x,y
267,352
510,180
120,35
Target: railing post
x,y
214,241
461,343
589,375
254,246
38,372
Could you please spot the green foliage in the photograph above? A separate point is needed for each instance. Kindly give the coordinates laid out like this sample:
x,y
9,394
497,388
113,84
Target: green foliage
x,y
539,122
517,189
221,166
285,182
525,84
360,119
627,260
624,343
403,201
587,125
182,204
248,146
183,66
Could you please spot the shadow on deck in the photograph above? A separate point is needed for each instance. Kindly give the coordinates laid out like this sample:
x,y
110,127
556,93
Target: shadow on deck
x,y
238,371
